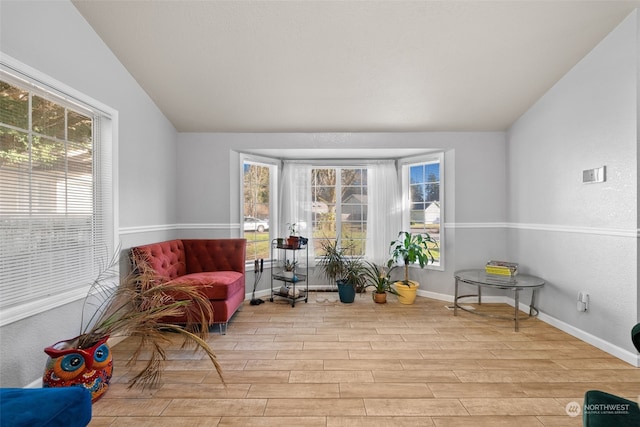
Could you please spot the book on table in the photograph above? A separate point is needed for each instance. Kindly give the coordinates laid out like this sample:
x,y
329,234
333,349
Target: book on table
x,y
502,268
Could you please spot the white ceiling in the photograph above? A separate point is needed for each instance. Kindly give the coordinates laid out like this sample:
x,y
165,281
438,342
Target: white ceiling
x,y
349,66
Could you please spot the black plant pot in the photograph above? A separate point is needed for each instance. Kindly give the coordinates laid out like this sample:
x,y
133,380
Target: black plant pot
x,y
346,292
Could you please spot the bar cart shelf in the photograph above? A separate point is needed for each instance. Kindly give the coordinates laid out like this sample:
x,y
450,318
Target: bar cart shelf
x,y
290,284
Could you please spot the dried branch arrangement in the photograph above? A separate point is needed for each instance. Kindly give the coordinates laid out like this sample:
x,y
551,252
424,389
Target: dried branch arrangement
x,y
141,305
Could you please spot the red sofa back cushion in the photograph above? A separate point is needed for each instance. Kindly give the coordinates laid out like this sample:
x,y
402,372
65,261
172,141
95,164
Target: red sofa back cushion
x,y
204,255
166,258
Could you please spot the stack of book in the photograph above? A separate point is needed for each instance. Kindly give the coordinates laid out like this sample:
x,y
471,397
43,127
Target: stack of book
x,y
502,268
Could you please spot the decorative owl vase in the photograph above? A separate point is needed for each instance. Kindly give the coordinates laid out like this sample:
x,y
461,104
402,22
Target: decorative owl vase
x,y
68,365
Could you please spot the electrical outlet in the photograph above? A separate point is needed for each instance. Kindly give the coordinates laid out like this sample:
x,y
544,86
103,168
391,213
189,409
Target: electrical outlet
x,y
583,301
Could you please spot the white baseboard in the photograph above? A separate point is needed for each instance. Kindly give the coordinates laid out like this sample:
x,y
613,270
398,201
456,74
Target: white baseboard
x,y
629,357
619,352
35,384
434,295
259,294
622,354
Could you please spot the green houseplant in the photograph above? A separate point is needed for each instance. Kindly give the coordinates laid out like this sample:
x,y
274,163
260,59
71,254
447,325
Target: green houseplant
x,y
354,279
379,278
333,259
341,269
293,239
410,249
289,268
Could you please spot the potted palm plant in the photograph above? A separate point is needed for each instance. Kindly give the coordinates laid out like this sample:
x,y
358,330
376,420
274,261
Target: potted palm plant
x,y
332,260
378,278
352,281
410,249
341,269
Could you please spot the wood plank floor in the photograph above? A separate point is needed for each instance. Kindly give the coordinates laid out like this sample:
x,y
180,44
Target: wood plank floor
x,y
329,364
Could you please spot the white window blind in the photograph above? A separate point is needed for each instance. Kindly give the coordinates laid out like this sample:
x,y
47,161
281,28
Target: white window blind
x,y
56,207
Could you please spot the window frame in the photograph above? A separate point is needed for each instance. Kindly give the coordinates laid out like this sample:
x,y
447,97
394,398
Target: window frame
x,y
274,173
339,167
403,169
104,194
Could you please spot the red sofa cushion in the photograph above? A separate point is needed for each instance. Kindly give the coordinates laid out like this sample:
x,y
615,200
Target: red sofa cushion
x,y
216,285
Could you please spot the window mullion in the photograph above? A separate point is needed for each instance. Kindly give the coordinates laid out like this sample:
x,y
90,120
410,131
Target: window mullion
x,y
338,192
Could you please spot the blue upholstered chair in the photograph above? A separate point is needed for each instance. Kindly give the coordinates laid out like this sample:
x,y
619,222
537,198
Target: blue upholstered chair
x,y
606,410
40,407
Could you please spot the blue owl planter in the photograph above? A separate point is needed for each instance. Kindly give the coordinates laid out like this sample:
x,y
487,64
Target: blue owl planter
x,y
68,365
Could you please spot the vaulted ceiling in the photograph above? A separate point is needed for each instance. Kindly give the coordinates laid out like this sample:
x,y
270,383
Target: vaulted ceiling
x,y
349,66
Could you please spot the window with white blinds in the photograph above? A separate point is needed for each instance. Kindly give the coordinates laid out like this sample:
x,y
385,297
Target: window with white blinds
x,y
56,210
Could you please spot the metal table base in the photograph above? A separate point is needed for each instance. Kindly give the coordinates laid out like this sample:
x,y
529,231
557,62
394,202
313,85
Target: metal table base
x,y
481,279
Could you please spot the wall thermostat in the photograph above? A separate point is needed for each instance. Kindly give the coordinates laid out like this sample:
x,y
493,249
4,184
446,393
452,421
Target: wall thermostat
x,y
594,175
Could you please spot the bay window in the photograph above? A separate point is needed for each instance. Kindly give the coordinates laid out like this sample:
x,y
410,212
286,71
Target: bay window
x,y
360,205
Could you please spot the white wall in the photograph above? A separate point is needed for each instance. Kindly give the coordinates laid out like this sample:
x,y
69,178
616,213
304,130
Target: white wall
x,y
582,236
475,171
53,38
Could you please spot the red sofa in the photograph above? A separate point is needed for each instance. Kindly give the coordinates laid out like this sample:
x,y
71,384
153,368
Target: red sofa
x,y
216,264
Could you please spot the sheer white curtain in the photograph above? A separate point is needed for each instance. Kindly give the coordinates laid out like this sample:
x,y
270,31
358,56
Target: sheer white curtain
x,y
384,210
295,202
